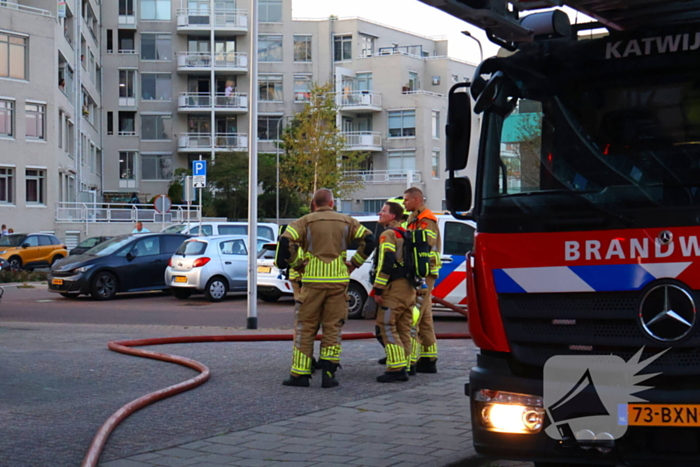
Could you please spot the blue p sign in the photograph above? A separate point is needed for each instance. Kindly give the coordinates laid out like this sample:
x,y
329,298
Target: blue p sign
x,y
199,168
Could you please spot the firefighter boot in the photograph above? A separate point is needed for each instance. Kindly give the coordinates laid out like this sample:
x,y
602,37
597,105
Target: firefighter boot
x,y
301,381
393,376
412,370
382,361
328,374
426,365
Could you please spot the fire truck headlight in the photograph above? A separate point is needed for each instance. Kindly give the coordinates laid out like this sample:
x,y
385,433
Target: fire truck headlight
x,y
508,412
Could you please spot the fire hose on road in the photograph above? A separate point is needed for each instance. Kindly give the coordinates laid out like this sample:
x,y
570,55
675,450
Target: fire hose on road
x,y
127,347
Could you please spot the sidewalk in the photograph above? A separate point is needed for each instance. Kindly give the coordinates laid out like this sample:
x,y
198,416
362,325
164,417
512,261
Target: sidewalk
x,y
423,426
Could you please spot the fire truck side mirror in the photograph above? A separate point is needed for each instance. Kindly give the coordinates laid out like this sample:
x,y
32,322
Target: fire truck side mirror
x,y
458,195
459,127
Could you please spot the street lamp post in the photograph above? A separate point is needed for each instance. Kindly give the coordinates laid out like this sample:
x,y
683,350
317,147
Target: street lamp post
x,y
481,50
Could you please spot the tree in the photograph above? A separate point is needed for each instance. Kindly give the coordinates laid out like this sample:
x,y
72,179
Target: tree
x,y
315,154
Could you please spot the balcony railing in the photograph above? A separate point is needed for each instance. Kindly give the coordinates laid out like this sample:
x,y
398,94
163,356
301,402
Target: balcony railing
x,y
25,9
223,19
222,60
363,140
360,100
188,101
385,176
122,212
222,141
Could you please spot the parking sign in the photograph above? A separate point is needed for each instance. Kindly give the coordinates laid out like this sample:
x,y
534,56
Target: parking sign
x,y
199,174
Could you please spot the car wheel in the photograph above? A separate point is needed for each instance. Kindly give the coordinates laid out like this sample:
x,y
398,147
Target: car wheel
x,y
216,289
270,296
357,296
56,258
181,294
69,295
15,263
104,286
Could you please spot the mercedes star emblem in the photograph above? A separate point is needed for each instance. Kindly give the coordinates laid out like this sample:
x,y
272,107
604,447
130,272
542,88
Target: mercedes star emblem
x,y
667,313
665,237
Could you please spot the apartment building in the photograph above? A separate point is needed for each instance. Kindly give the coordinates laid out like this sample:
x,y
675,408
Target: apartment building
x,y
178,81
50,109
99,100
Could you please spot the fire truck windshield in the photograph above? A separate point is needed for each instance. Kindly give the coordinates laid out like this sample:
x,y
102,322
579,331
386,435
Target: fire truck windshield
x,y
584,158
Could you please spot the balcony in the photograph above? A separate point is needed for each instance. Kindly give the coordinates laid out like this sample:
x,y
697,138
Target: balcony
x,y
197,142
25,9
194,22
359,101
363,140
236,103
382,177
73,212
198,62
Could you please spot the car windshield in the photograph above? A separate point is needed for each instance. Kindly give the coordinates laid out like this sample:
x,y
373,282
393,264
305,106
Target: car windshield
x,y
90,242
109,247
12,240
175,228
193,247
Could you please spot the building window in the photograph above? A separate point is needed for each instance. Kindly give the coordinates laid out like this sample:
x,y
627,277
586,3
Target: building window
x,y
127,87
7,184
302,48
270,87
125,41
270,48
59,133
156,127
270,11
402,123
13,56
413,81
436,124
156,87
363,82
373,205
267,127
156,47
342,48
126,7
436,164
110,41
155,10
35,121
302,88
126,165
36,186
367,45
455,79
110,123
7,118
156,166
400,162
127,123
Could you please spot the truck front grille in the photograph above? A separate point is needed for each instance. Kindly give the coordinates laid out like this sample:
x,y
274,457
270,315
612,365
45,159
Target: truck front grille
x,y
540,326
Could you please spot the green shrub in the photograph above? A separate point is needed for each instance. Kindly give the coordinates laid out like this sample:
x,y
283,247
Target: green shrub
x,y
22,276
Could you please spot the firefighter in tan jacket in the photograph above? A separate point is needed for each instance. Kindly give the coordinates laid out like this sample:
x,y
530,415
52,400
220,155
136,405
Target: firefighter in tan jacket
x,y
424,353
324,236
394,295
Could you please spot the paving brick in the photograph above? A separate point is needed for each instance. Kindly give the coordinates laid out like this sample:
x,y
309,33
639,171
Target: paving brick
x,y
374,462
179,452
296,457
223,449
170,461
195,445
271,429
125,463
423,460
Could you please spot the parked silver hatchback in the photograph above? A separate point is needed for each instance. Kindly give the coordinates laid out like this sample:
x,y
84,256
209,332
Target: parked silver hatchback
x,y
213,265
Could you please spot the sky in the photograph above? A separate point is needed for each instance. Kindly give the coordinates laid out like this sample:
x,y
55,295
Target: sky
x,y
409,15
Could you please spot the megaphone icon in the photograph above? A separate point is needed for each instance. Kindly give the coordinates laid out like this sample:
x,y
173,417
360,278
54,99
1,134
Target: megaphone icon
x,y
581,401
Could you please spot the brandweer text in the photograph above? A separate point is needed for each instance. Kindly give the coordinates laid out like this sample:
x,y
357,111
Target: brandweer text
x,y
592,250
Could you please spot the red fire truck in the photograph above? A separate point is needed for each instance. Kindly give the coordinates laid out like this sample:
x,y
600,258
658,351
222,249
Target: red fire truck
x,y
586,193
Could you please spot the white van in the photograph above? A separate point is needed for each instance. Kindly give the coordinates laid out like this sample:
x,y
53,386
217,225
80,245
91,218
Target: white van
x,y
265,229
457,238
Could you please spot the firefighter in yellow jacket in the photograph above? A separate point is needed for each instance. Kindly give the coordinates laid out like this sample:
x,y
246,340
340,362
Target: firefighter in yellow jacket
x,y
324,236
424,352
394,295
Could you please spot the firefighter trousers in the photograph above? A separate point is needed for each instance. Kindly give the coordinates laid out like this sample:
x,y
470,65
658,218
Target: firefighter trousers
x,y
424,344
318,304
394,318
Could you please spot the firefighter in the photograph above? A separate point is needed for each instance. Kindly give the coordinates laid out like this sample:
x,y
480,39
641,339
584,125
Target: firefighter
x,y
425,345
324,236
394,295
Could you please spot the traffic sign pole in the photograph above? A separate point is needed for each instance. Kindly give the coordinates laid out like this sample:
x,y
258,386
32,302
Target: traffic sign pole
x,y
199,180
